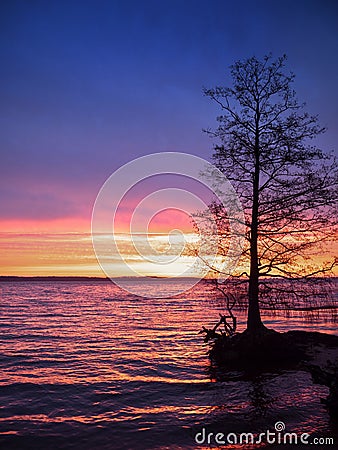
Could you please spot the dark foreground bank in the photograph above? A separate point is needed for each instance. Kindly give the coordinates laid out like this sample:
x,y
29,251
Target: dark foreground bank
x,y
314,352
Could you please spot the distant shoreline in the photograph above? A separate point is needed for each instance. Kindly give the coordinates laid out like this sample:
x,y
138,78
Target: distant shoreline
x,y
14,278
50,278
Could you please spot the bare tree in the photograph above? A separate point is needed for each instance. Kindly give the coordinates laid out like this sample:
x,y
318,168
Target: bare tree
x,y
287,186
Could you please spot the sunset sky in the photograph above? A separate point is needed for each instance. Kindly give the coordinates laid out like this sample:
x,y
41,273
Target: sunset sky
x,y
88,86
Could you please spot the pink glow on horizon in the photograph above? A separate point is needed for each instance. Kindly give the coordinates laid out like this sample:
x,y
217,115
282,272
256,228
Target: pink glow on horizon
x,y
60,225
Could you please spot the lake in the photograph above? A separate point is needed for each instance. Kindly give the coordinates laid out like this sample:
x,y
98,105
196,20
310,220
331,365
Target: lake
x,y
86,365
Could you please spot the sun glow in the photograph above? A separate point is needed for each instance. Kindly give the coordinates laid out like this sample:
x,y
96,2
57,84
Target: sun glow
x,y
72,254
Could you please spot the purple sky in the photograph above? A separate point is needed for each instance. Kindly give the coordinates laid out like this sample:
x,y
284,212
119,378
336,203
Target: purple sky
x,y
87,86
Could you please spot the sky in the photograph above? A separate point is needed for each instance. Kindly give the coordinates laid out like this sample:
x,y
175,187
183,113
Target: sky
x,y
87,86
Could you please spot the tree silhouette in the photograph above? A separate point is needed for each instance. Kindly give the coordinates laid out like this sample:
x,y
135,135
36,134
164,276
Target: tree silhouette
x,y
287,186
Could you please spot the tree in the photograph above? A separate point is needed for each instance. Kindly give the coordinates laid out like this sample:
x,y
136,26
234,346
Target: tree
x,y
287,186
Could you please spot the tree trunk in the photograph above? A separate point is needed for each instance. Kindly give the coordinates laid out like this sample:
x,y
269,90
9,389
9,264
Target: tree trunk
x,y
254,322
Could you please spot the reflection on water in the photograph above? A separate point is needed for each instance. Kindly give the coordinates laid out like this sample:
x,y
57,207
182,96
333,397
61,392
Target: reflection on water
x,y
85,365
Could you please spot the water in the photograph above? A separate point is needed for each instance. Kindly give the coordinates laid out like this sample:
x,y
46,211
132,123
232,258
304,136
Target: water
x,y
86,365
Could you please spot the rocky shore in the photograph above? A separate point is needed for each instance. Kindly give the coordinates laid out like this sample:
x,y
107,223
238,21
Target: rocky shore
x,y
314,352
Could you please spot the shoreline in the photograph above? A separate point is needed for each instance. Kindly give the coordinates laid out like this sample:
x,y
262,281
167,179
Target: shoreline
x,y
310,351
